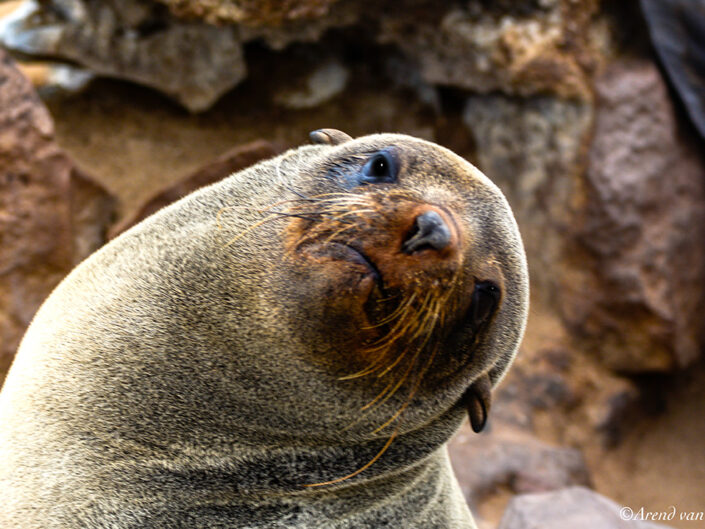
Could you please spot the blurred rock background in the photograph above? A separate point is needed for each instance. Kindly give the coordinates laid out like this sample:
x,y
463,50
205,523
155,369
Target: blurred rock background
x,y
111,109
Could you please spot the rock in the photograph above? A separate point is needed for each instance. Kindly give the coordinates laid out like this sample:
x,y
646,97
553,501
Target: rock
x,y
566,396
613,227
194,63
41,241
250,12
574,507
192,49
677,28
56,79
610,403
321,85
534,150
35,251
236,159
507,458
525,48
644,226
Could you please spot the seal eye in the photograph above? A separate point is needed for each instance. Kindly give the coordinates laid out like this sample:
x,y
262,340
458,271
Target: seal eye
x,y
485,299
381,168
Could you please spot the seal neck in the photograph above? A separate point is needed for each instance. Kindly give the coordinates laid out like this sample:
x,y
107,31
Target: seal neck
x,y
293,469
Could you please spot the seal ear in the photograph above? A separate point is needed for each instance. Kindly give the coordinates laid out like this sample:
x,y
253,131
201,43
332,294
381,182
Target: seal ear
x,y
477,400
328,137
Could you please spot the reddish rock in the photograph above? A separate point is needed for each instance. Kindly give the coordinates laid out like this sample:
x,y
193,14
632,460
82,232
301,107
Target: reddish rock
x,y
645,227
610,200
37,243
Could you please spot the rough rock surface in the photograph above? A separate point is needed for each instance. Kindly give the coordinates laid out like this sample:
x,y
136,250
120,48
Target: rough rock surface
x,y
250,12
534,150
645,227
192,50
35,250
568,397
574,507
326,81
39,238
614,233
523,48
193,62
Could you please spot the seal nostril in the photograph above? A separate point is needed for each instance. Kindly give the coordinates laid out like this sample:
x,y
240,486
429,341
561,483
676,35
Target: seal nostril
x,y
429,232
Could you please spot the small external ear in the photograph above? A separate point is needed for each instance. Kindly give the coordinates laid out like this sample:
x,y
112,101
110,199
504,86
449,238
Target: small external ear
x,y
477,400
328,137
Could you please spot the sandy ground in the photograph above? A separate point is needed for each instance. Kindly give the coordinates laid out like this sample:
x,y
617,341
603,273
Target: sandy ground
x,y
660,465
135,143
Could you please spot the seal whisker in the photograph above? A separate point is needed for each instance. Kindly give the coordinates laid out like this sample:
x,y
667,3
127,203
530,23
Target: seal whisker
x,y
379,396
396,333
420,327
361,469
395,314
401,381
406,373
401,327
412,393
250,228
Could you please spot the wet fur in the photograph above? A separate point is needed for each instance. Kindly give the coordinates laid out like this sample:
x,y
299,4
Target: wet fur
x,y
191,374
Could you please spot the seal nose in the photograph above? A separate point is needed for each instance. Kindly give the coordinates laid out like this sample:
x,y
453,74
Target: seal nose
x,y
429,231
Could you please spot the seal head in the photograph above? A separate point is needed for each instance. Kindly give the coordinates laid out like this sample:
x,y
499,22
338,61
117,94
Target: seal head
x,y
422,274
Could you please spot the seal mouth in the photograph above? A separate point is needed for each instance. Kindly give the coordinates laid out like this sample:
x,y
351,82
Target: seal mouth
x,y
357,256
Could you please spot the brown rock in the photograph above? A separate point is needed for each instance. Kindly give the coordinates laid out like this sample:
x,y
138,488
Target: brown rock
x,y
37,244
192,49
645,227
92,213
568,397
232,161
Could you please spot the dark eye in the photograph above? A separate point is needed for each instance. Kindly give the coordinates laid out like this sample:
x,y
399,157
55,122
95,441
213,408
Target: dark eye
x,y
381,168
485,299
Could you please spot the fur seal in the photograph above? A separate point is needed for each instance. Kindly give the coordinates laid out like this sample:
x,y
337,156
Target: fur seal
x,y
289,347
